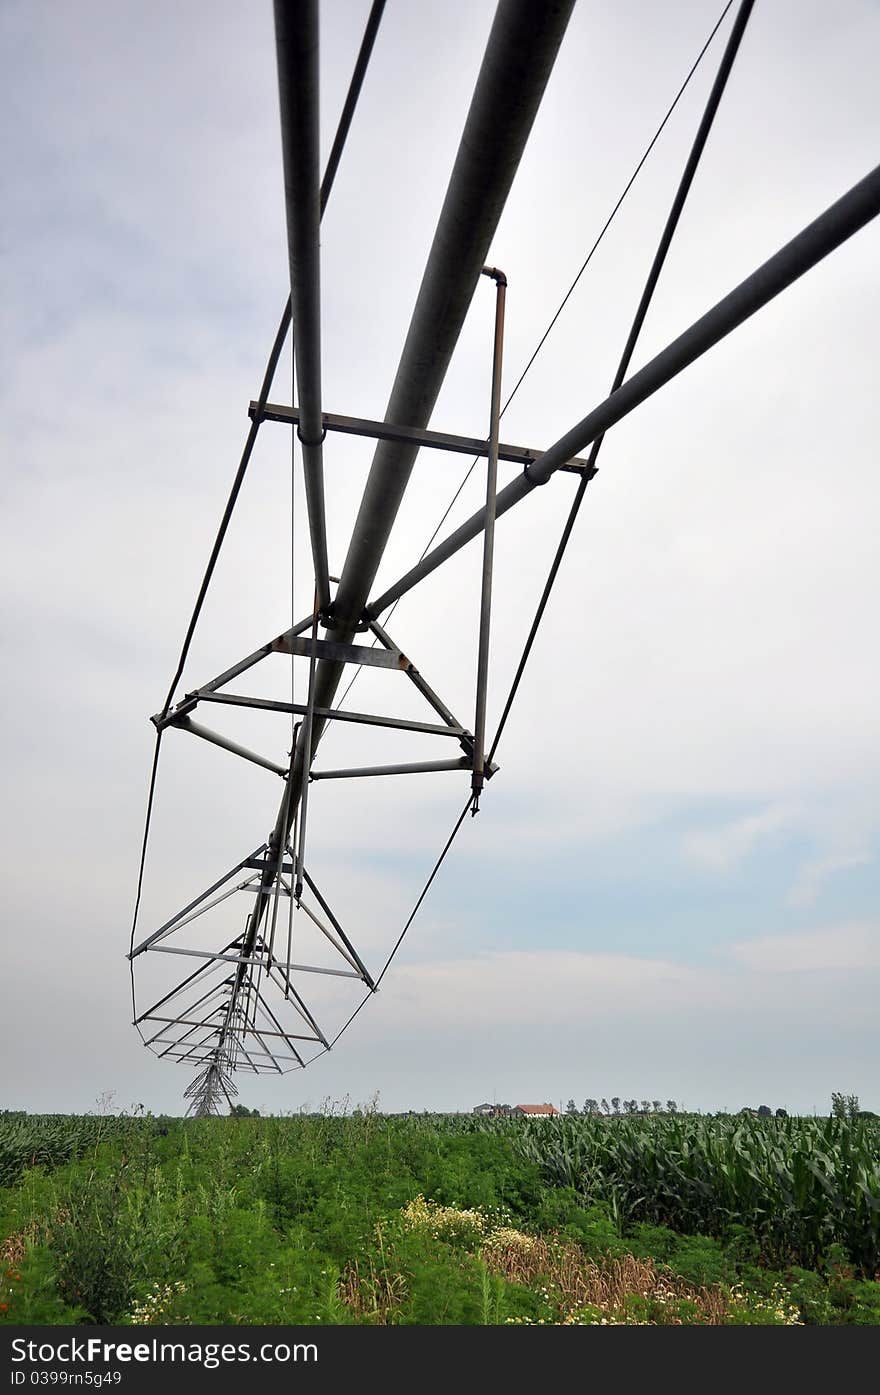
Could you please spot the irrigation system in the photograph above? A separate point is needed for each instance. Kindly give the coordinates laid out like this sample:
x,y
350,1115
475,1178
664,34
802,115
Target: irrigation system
x,y
245,1004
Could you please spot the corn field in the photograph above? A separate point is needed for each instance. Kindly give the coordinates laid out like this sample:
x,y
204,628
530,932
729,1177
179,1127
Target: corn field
x,y
798,1185
49,1140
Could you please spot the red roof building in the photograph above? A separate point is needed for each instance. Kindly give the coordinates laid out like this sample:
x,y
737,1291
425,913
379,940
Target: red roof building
x,y
532,1109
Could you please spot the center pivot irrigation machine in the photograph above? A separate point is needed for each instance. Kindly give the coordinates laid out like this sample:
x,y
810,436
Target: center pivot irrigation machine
x,y
245,1006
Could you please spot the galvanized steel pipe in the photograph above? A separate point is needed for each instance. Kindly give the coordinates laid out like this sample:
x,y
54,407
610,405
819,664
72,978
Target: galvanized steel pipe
x,y
844,218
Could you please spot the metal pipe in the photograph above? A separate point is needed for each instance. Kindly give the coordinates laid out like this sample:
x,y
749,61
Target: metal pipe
x,y
283,825
175,919
291,801
431,440
246,959
427,692
296,42
488,539
316,920
424,767
838,223
339,930
337,714
672,220
519,57
196,729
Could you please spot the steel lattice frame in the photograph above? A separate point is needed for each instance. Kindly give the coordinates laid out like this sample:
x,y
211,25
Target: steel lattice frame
x,y
242,1008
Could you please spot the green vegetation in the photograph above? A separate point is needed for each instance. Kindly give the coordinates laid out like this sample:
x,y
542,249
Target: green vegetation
x,y
47,1140
797,1186
366,1218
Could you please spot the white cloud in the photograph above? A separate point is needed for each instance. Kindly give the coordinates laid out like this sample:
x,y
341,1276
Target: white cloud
x,y
706,639
837,948
814,874
723,848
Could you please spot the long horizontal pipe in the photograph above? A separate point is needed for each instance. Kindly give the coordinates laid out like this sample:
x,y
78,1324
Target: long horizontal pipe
x,y
296,41
289,803
828,231
519,57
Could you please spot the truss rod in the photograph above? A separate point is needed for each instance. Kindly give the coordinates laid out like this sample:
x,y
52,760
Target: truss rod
x,y
368,979
216,739
422,767
175,919
424,688
488,540
336,714
833,227
255,960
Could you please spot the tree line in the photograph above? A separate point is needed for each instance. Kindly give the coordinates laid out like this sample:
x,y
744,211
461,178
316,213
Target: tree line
x,y
618,1106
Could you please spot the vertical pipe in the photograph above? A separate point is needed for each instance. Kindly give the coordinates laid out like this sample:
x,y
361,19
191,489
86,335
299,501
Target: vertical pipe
x,y
307,760
488,538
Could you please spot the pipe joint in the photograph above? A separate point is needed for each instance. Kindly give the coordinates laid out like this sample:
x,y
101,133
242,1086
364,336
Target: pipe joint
x,y
534,479
319,442
497,275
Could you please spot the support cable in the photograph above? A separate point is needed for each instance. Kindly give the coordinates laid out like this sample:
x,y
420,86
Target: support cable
x,y
672,220
653,276
562,304
409,920
369,37
342,130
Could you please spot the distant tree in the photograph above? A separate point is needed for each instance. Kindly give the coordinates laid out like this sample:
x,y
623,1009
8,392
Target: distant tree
x,y
845,1106
241,1111
764,1111
571,1107
646,1106
591,1106
629,1106
782,1113
671,1107
658,1105
605,1108
615,1104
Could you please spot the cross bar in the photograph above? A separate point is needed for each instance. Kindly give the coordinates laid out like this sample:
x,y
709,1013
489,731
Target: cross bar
x,y
412,435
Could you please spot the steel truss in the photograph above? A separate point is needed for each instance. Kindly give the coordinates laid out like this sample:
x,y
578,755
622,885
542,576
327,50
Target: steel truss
x,y
242,1008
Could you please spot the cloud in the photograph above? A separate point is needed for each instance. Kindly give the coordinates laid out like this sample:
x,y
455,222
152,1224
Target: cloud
x,y
814,874
838,948
722,848
705,643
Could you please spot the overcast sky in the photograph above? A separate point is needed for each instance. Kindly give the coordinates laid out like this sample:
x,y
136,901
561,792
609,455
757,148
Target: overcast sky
x,y
672,887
